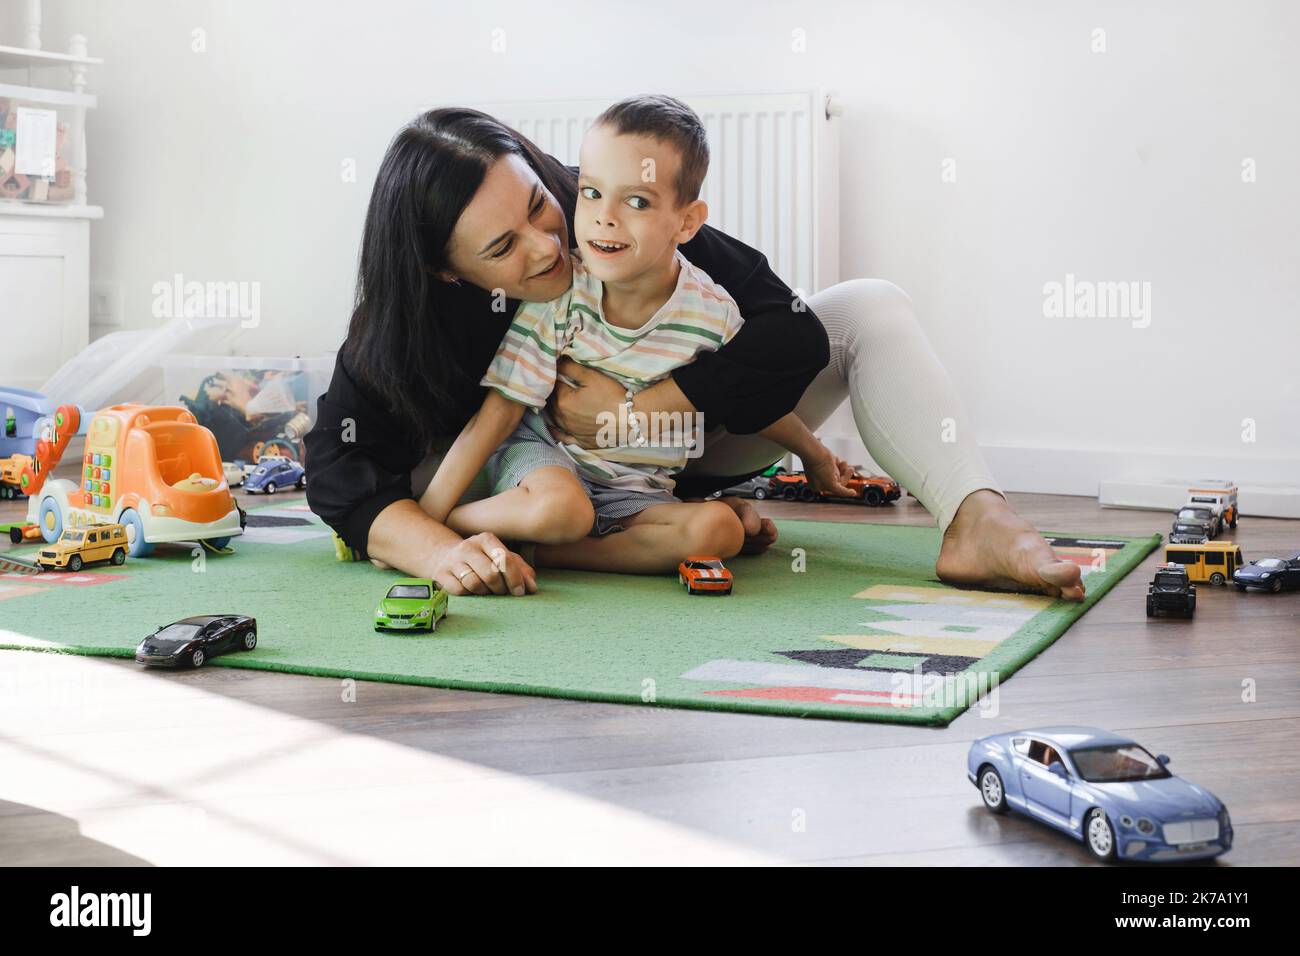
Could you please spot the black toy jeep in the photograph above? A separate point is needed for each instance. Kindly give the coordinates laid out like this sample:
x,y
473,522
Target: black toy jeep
x,y
1171,592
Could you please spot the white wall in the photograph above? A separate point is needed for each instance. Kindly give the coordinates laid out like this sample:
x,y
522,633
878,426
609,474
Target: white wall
x,y
1115,166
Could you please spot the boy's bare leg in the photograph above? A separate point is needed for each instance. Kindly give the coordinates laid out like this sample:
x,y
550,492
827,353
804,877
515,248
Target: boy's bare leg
x,y
549,505
654,541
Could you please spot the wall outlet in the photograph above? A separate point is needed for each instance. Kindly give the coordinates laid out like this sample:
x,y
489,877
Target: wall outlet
x,y
106,304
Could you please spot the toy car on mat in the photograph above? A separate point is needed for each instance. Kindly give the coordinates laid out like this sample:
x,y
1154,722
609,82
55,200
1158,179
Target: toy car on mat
x,y
1101,788
235,472
411,604
151,468
18,533
192,641
78,547
1270,574
705,575
272,474
11,471
1171,592
1193,524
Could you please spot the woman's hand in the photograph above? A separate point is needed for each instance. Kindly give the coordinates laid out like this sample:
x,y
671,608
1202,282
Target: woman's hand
x,y
829,474
481,564
575,410
402,536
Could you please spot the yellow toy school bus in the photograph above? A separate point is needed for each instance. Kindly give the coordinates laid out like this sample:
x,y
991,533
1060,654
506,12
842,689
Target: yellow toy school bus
x,y
1213,561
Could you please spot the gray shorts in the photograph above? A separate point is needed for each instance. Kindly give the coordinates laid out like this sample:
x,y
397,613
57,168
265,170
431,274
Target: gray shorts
x,y
530,447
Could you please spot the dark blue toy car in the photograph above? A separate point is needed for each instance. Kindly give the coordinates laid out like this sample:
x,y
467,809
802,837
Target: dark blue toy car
x,y
1270,574
271,474
1100,788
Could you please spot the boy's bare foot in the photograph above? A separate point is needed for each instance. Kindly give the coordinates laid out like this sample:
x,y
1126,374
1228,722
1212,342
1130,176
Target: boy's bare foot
x,y
760,532
989,545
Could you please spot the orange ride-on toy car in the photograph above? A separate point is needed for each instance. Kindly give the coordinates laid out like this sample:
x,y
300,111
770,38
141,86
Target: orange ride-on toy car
x,y
705,575
152,469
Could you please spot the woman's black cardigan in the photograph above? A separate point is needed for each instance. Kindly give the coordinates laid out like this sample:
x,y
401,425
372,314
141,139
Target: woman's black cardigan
x,y
359,456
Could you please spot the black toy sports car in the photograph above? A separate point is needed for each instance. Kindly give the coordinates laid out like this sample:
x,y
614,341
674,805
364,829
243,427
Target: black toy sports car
x,y
193,640
1272,574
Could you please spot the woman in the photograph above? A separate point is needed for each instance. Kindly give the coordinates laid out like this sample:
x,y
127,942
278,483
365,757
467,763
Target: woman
x,y
467,219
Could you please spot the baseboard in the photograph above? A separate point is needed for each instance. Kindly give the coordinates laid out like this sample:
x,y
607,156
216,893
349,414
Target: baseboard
x,y
1266,501
1129,479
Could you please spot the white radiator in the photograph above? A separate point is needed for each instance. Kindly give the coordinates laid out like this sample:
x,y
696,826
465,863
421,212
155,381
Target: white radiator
x,y
773,178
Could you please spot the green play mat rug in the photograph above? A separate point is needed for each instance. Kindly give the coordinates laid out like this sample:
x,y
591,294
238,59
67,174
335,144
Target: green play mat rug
x,y
839,620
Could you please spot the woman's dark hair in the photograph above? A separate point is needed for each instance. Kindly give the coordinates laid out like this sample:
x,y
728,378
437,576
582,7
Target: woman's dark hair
x,y
401,338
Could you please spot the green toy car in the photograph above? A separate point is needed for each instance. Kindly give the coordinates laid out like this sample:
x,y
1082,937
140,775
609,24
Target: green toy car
x,y
411,604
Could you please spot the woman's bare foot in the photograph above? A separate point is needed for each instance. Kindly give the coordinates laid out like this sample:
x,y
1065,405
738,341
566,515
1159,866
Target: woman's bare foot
x,y
989,545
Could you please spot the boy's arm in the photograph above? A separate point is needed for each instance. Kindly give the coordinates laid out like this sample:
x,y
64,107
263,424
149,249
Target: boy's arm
x,y
826,472
489,427
521,375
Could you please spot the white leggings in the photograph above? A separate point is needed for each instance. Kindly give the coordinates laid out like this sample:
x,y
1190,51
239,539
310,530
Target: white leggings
x,y
905,407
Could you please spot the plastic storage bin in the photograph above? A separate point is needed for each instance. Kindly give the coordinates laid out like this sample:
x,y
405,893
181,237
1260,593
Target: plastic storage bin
x,y
254,405
50,180
126,366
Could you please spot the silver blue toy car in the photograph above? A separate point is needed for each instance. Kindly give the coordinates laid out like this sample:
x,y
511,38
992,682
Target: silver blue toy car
x,y
274,473
1100,788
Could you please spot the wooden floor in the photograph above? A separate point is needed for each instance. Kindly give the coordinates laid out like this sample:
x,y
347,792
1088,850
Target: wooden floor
x,y
102,762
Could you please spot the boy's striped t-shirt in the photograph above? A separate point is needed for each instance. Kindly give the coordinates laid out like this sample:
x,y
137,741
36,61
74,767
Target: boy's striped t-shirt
x,y
699,316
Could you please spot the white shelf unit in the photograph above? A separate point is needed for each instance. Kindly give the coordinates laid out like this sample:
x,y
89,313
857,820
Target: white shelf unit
x,y
45,247
52,97
17,57
74,98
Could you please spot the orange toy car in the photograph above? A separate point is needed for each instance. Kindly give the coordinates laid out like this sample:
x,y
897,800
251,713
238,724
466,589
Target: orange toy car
x,y
18,533
705,575
874,489
152,469
11,470
868,489
792,486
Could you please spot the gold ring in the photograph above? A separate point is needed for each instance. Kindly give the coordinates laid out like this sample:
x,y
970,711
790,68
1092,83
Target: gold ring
x,y
461,577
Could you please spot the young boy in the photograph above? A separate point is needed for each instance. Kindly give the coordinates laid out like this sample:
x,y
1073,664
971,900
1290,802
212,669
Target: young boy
x,y
637,310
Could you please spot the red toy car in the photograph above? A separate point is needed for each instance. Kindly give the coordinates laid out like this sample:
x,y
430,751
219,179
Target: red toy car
x,y
705,575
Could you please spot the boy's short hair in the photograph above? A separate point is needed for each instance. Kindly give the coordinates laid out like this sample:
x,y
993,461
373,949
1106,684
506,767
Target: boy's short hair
x,y
673,122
